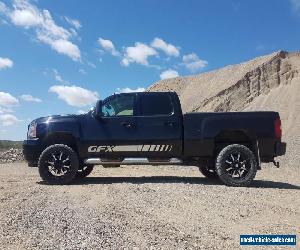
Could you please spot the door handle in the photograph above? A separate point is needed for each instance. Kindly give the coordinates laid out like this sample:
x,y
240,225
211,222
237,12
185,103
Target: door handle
x,y
126,124
170,124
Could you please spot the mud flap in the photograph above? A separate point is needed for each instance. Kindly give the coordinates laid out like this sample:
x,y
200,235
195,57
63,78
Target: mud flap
x,y
257,155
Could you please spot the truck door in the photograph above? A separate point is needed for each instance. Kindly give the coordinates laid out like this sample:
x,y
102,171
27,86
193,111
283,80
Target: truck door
x,y
113,134
158,125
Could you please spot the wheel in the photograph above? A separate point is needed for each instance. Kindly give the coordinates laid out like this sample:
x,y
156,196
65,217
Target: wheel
x,y
208,172
236,165
84,171
58,164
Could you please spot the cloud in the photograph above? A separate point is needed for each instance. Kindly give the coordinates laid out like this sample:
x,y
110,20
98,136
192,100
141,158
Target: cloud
x,y
92,65
30,98
28,16
295,4
62,46
5,63
80,111
7,100
8,120
82,71
108,46
170,73
3,22
193,63
129,90
74,22
3,8
74,95
138,54
5,110
58,77
169,49
3,11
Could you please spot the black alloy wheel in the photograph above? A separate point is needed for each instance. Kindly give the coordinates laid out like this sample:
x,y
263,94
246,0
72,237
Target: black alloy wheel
x,y
58,164
236,165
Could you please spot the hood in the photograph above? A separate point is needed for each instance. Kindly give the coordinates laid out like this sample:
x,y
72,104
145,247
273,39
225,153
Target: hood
x,y
54,118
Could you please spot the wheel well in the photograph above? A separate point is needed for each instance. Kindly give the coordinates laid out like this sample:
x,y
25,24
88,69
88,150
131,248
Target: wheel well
x,y
225,138
61,138
233,136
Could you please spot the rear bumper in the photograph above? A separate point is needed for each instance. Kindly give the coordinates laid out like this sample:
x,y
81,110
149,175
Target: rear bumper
x,y
31,151
280,148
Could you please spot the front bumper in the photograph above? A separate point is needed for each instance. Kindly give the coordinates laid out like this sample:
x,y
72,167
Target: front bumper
x,y
31,151
280,148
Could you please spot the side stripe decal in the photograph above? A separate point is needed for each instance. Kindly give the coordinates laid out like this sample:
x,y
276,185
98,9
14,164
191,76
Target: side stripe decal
x,y
132,148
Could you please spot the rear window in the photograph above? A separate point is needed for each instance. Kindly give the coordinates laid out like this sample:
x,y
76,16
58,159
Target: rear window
x,y
156,105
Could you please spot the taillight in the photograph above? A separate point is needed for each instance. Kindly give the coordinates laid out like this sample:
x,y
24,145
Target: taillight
x,y
278,131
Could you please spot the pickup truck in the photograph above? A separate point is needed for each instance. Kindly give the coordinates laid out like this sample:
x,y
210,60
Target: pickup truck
x,y
149,128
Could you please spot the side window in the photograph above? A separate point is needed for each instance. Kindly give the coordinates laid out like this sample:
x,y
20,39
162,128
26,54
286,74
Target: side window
x,y
119,105
156,104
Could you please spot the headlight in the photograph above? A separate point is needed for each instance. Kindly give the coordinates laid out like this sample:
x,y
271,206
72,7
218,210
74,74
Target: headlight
x,y
32,131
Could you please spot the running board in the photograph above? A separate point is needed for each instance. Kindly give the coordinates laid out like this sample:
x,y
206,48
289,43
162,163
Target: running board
x,y
133,161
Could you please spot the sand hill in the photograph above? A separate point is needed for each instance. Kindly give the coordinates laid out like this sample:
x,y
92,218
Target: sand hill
x,y
270,82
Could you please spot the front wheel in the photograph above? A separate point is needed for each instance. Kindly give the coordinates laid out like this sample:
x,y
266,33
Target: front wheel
x,y
58,164
236,165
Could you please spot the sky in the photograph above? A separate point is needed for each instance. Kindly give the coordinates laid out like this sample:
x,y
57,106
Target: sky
x,y
61,56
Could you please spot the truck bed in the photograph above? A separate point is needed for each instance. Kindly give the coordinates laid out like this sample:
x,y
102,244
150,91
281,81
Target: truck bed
x,y
202,130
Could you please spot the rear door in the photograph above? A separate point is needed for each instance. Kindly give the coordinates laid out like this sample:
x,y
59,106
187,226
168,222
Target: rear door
x,y
158,125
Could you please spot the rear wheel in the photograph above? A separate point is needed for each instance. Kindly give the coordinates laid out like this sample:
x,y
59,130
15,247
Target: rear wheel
x,y
84,171
236,165
208,172
58,164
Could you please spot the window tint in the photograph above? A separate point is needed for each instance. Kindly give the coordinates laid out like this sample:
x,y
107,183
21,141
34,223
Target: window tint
x,y
118,105
156,104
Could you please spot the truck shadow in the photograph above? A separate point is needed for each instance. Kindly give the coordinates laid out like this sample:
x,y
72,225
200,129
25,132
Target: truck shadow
x,y
177,179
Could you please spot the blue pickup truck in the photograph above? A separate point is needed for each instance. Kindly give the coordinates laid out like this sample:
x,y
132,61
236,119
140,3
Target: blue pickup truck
x,y
149,128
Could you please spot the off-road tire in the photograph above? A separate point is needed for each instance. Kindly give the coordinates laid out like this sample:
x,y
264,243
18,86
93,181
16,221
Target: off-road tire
x,y
223,167
207,172
47,155
84,171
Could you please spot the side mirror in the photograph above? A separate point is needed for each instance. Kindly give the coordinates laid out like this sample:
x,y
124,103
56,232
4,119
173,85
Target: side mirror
x,y
98,109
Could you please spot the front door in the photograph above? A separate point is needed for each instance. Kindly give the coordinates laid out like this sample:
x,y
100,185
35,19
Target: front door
x,y
113,134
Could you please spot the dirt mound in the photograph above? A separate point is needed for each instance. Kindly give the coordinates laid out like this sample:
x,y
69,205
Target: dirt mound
x,y
11,155
270,82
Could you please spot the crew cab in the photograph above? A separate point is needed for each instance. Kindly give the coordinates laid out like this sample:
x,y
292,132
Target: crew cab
x,y
149,128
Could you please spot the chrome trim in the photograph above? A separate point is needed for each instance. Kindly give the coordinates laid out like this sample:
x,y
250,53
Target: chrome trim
x,y
133,161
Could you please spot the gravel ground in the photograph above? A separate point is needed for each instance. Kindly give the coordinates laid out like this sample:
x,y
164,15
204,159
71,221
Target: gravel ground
x,y
144,207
